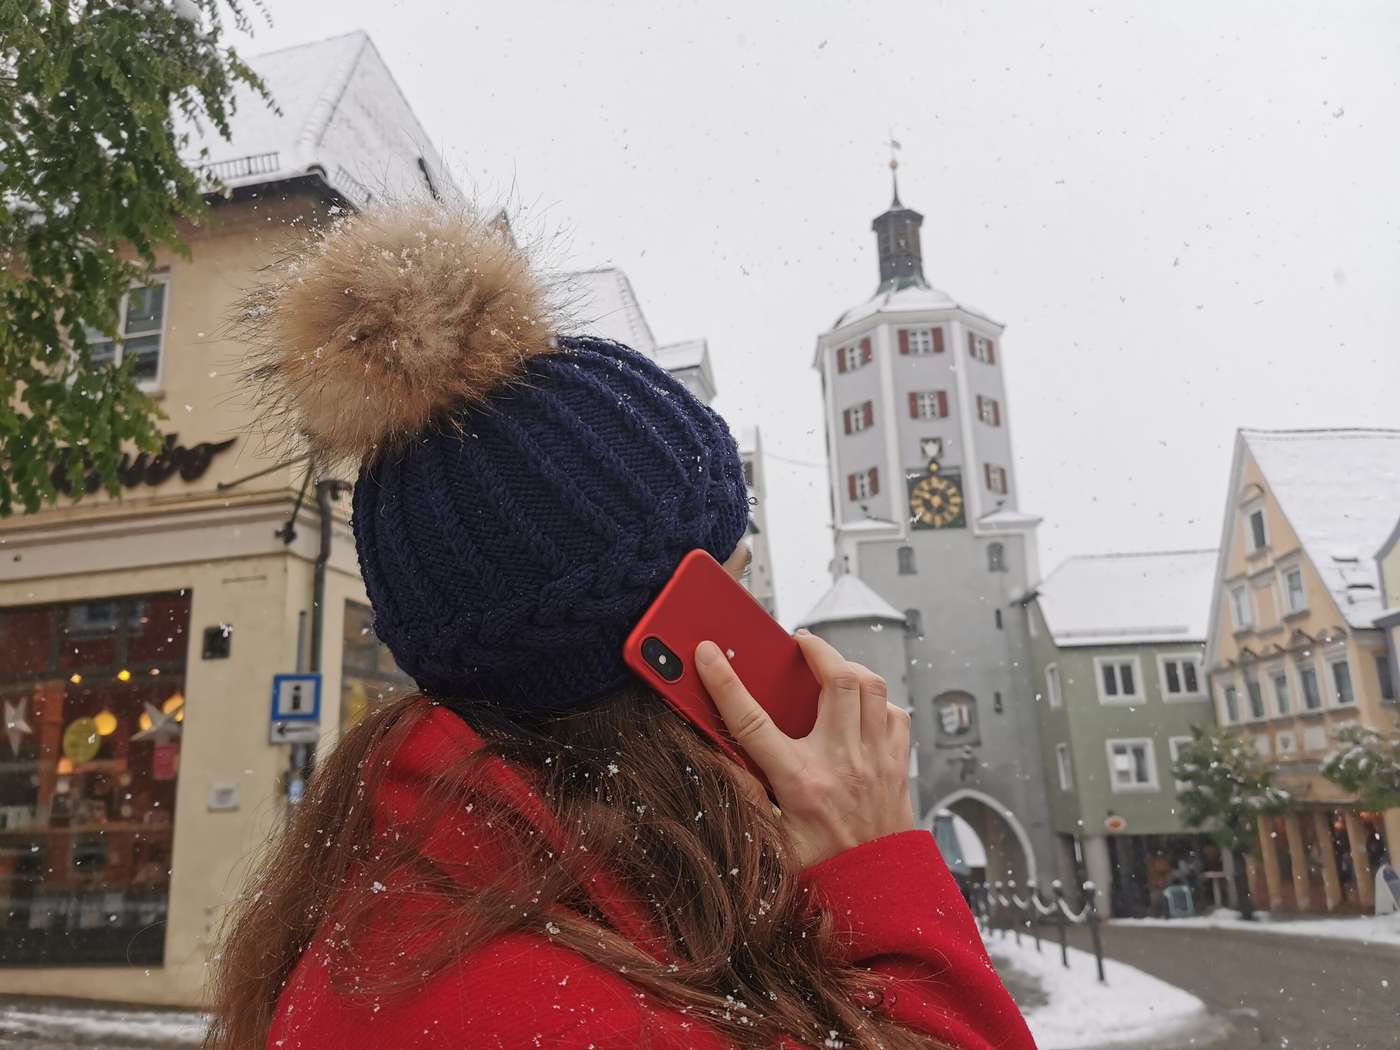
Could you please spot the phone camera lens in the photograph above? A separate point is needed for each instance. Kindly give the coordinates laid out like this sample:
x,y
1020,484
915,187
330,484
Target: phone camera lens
x,y
662,660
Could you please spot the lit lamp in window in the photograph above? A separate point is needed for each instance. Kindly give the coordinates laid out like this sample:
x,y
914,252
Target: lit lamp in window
x,y
174,706
106,722
123,675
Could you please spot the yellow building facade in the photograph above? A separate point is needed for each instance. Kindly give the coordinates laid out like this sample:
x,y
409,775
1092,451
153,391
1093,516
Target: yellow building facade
x,y
1294,653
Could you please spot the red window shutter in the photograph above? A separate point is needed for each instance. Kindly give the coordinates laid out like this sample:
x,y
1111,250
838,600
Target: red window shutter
x,y
874,480
980,401
943,404
996,413
865,351
846,419
938,340
904,340
869,414
987,470
991,352
972,344
851,485
913,405
840,359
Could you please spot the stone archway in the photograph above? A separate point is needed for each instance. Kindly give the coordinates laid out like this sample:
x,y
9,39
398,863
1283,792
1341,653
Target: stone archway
x,y
1008,847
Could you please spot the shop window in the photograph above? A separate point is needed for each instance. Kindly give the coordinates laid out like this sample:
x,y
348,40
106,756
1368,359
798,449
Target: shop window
x,y
368,674
94,702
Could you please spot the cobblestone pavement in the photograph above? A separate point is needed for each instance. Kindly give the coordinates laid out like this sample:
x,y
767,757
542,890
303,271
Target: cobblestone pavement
x,y
1287,992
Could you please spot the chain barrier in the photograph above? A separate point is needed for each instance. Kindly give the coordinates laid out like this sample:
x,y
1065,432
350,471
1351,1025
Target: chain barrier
x,y
998,911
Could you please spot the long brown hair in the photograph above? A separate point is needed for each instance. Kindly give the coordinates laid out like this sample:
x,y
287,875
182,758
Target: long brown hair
x,y
637,794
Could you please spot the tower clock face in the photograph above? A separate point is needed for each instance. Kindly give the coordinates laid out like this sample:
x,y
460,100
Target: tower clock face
x,y
936,500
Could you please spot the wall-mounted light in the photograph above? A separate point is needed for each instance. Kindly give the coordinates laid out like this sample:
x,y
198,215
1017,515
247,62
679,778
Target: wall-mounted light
x,y
106,722
75,678
123,675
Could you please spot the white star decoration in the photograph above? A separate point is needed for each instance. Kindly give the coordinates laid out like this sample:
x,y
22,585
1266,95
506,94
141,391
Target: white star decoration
x,y
163,727
15,725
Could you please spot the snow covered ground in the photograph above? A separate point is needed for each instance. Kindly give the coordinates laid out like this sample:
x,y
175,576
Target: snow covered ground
x,y
1365,929
41,1024
1131,1009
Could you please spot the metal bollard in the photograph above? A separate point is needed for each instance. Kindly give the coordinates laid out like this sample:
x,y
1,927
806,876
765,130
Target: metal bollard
x,y
1011,894
1034,917
1058,889
996,888
1091,892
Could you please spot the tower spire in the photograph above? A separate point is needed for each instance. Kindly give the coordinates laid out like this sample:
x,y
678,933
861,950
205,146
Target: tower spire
x,y
897,237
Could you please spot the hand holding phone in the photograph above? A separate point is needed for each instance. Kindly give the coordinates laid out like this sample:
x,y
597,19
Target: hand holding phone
x,y
703,602
846,781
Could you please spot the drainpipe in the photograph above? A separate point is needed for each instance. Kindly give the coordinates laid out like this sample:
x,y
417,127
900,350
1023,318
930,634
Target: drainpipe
x,y
327,492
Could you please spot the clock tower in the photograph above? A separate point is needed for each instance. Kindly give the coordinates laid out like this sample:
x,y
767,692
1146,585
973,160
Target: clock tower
x,y
925,513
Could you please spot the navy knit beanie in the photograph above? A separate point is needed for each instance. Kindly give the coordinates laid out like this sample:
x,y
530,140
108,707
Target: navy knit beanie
x,y
521,497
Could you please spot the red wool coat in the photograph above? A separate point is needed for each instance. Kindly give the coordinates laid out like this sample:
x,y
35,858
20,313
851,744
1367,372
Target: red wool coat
x,y
897,907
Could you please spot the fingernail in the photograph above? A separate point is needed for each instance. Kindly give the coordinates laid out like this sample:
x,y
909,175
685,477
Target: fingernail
x,y
802,631
707,653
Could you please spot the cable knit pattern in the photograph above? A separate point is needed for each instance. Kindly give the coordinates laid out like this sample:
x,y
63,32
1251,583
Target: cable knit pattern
x,y
508,551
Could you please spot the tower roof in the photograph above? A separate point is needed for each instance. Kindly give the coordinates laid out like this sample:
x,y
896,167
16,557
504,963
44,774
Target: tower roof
x,y
849,600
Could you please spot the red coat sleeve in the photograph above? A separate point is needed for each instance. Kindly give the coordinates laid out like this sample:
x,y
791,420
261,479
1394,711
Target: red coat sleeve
x,y
899,912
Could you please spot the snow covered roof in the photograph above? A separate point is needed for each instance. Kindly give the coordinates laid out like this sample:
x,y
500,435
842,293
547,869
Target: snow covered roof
x,y
850,598
1129,599
910,299
693,353
602,303
1340,491
342,116
1008,520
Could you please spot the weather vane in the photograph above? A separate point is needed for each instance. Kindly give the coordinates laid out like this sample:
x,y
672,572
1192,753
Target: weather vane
x,y
894,146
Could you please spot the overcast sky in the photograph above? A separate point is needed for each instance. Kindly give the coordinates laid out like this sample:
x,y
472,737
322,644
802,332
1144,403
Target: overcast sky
x,y
1187,214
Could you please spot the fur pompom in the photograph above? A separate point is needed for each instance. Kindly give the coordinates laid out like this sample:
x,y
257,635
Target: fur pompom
x,y
387,321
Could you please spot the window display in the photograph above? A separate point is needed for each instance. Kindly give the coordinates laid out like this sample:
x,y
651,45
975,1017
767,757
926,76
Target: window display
x,y
368,674
93,699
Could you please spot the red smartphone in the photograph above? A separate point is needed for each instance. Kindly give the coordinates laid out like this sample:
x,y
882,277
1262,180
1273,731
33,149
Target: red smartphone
x,y
702,601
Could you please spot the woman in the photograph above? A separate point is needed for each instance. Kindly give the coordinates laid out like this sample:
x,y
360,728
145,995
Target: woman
x,y
537,851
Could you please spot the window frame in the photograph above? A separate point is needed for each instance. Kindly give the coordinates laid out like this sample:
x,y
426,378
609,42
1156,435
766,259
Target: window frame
x,y
1138,696
1235,590
988,410
1385,677
931,342
1285,708
996,557
1182,657
1251,511
901,560
119,342
1230,704
981,347
1154,782
858,418
1064,767
1333,662
1174,744
996,479
921,400
914,623
1284,573
1305,668
1249,698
